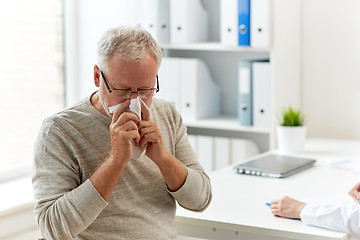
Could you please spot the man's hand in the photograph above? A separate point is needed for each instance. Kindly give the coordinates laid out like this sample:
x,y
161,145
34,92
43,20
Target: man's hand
x,y
150,136
123,130
287,207
173,171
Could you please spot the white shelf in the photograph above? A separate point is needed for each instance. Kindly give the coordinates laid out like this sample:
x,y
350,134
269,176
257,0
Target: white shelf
x,y
228,127
213,46
225,123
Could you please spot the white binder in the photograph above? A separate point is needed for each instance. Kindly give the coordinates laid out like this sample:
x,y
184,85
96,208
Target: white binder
x,y
242,149
260,23
229,22
205,152
200,96
245,104
221,152
261,94
169,81
157,19
237,150
188,21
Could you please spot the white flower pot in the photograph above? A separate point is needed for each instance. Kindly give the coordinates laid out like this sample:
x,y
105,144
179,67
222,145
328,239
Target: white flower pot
x,y
291,139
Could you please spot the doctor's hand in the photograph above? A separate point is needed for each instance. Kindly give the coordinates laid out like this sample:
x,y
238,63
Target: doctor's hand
x,y
123,130
150,136
287,207
354,192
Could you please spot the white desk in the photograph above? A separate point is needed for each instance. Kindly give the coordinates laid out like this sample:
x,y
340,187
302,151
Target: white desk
x,y
238,209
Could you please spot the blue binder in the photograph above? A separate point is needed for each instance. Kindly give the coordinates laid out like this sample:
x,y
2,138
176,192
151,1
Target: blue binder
x,y
244,22
245,94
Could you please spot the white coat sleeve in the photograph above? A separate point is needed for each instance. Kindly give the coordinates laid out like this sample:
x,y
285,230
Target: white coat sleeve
x,y
343,218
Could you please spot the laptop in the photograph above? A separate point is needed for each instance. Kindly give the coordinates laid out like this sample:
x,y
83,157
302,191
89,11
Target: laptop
x,y
274,165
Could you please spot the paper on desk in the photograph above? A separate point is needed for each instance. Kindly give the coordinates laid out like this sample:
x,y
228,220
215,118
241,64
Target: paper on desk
x,y
351,164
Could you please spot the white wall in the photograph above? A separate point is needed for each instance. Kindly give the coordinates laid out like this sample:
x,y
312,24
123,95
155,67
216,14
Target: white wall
x,y
331,67
286,54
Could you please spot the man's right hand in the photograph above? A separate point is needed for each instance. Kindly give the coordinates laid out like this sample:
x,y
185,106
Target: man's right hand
x,y
123,130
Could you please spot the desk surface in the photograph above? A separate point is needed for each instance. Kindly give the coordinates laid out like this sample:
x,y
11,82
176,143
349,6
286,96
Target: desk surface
x,y
238,203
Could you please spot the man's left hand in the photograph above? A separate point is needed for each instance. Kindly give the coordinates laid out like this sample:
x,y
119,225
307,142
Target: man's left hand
x,y
150,135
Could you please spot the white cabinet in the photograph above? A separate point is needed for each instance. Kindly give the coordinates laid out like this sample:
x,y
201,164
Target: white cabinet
x,y
222,61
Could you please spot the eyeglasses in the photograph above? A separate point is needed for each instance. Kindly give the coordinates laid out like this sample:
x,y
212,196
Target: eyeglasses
x,y
126,93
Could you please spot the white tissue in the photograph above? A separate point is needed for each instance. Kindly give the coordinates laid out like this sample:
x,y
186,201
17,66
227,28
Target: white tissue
x,y
113,108
138,152
135,107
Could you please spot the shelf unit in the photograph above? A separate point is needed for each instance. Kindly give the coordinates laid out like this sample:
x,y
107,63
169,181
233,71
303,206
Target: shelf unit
x,y
222,61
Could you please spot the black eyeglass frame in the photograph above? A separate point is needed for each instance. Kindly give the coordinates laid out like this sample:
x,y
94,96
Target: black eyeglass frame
x,y
129,90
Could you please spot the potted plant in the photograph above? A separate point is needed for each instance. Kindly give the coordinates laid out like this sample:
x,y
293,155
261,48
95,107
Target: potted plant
x,y
292,132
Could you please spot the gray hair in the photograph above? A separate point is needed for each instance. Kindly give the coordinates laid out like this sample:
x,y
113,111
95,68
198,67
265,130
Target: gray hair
x,y
128,43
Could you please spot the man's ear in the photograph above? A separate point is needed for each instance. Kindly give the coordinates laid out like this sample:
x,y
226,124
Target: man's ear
x,y
96,76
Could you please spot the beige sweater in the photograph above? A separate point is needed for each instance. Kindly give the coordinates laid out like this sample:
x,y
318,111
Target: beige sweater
x,y
73,143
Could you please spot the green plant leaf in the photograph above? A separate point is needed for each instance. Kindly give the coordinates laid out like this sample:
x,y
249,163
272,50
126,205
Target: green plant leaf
x,y
292,117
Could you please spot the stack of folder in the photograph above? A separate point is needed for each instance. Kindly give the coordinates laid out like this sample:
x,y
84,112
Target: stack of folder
x,y
254,95
188,21
242,22
187,83
171,21
245,22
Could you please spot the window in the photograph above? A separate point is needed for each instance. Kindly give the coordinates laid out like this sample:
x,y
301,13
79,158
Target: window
x,y
32,78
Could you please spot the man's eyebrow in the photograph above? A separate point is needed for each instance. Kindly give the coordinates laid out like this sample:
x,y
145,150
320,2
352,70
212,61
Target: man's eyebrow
x,y
147,86
127,87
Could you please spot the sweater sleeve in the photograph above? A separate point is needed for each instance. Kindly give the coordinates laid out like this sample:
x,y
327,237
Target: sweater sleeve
x,y
340,217
195,194
64,205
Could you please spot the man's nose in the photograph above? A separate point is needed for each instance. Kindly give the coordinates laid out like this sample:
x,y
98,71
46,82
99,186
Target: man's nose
x,y
133,95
